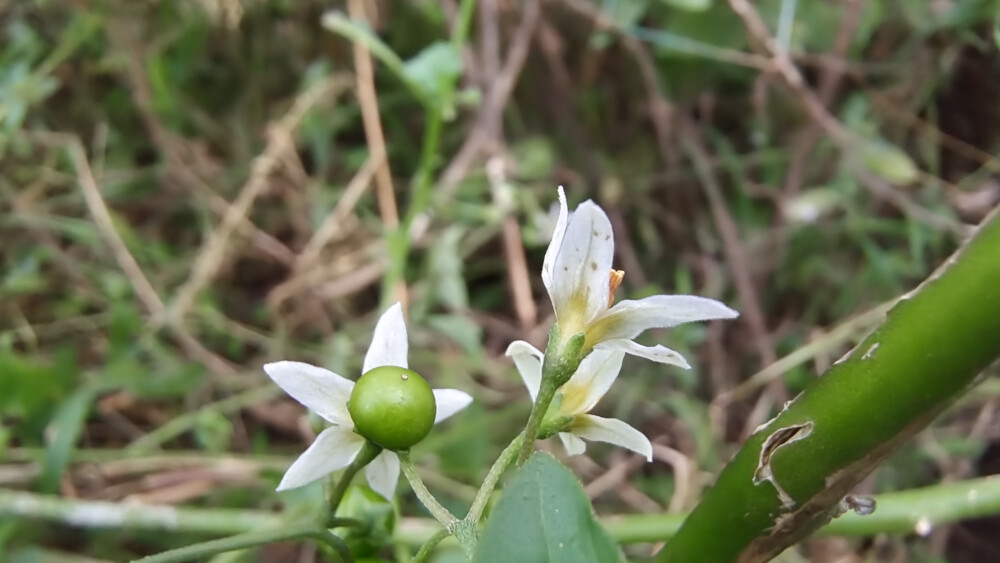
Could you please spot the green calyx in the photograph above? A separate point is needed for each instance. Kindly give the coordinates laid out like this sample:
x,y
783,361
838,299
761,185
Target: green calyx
x,y
560,364
393,407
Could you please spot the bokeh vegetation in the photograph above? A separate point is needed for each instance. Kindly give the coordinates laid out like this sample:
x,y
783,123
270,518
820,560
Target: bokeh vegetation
x,y
190,189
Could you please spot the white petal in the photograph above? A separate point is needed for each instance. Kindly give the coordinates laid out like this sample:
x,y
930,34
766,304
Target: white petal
x,y
383,473
334,448
612,431
629,318
572,444
581,272
389,345
449,402
320,390
657,353
528,361
592,379
557,238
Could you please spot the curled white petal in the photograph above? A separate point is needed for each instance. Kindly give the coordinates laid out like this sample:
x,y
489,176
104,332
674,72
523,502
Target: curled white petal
x,y
581,270
657,353
557,238
629,318
528,361
572,444
334,448
449,402
612,431
592,379
383,473
389,345
320,390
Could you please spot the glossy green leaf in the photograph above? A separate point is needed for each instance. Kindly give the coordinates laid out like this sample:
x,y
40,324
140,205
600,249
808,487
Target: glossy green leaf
x,y
545,517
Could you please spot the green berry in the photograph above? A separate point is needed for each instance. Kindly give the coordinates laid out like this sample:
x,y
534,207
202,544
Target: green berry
x,y
393,407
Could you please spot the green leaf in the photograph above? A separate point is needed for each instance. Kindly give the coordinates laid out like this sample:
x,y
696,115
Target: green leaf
x,y
545,517
62,433
434,71
889,162
446,265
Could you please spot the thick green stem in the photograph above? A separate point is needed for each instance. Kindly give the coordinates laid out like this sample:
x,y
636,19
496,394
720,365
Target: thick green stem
x,y
440,513
789,476
490,482
336,493
249,539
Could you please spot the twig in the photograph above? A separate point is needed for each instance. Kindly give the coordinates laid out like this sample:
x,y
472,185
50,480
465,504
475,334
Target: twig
x,y
99,211
732,243
496,99
280,139
179,152
334,221
841,136
517,263
368,100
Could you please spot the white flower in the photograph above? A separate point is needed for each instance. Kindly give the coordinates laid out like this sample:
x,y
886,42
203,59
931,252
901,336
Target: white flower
x,y
580,395
578,276
327,394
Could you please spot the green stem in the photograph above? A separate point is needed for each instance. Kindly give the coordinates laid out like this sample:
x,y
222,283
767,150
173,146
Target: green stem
x,y
336,493
446,518
243,541
399,239
463,23
545,395
896,513
339,23
428,548
789,476
490,483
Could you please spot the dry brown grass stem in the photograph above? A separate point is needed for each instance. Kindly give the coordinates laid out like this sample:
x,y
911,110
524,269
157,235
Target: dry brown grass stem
x,y
517,262
105,225
334,222
213,251
845,140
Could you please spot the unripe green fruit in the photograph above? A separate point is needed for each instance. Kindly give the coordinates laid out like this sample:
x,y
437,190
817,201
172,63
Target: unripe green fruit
x,y
393,407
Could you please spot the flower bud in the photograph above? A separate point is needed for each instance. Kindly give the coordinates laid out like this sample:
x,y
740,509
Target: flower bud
x,y
393,407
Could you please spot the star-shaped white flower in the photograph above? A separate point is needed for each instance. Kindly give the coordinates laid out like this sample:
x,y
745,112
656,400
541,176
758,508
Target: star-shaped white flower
x,y
577,274
580,395
327,394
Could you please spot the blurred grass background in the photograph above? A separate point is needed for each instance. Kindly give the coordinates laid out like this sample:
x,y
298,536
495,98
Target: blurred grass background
x,y
189,189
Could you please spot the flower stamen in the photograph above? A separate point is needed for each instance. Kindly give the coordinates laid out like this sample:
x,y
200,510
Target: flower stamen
x,y
616,280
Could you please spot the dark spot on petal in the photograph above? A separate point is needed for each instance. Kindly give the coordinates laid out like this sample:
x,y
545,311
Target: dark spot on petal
x,y
593,266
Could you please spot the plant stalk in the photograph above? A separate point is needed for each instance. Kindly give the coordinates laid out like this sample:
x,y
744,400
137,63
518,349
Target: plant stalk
x,y
440,513
249,539
335,494
490,482
790,476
